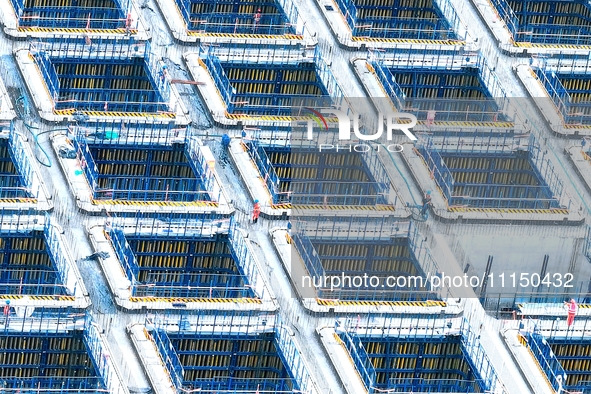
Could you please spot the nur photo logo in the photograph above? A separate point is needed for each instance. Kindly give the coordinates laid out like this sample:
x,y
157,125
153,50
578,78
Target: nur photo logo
x,y
347,123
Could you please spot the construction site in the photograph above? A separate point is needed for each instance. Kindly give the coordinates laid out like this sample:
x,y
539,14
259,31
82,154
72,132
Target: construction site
x,y
295,196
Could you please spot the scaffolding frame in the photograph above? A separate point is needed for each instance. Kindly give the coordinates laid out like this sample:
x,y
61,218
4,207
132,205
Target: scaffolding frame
x,y
206,325
142,188
110,52
108,18
319,191
487,109
548,195
25,170
207,228
213,59
572,110
447,26
363,229
541,33
351,335
286,21
51,322
543,354
65,281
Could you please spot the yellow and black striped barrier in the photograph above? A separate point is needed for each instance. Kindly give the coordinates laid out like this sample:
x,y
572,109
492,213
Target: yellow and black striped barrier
x,y
66,30
577,126
509,210
275,118
503,125
21,200
200,300
246,36
71,111
347,207
407,41
270,118
551,46
11,297
422,304
281,206
205,204
39,297
586,156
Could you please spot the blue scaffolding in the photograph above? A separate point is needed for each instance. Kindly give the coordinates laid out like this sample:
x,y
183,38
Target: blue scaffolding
x,y
457,87
546,22
16,172
246,354
296,173
379,247
401,19
145,162
207,258
257,82
547,360
474,172
73,14
55,351
25,246
570,92
233,17
422,361
121,76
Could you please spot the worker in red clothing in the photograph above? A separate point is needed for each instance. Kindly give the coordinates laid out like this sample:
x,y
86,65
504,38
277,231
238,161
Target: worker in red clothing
x,y
6,312
257,19
572,312
256,211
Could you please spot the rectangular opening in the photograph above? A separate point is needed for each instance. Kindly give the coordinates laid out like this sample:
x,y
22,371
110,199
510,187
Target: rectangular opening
x,y
494,172
235,17
72,14
497,177
572,356
108,86
48,361
420,365
273,88
440,94
12,184
234,363
27,267
305,176
547,22
182,266
571,93
362,259
400,19
145,173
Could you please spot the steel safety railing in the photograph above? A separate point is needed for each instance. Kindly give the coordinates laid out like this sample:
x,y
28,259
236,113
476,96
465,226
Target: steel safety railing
x,y
284,19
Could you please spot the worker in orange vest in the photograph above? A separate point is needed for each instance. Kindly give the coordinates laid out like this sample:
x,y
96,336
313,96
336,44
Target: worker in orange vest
x,y
6,312
572,312
256,211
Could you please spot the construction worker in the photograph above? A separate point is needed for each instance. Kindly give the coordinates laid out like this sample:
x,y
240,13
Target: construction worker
x,y
426,202
572,312
257,19
6,312
256,211
128,22
226,141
